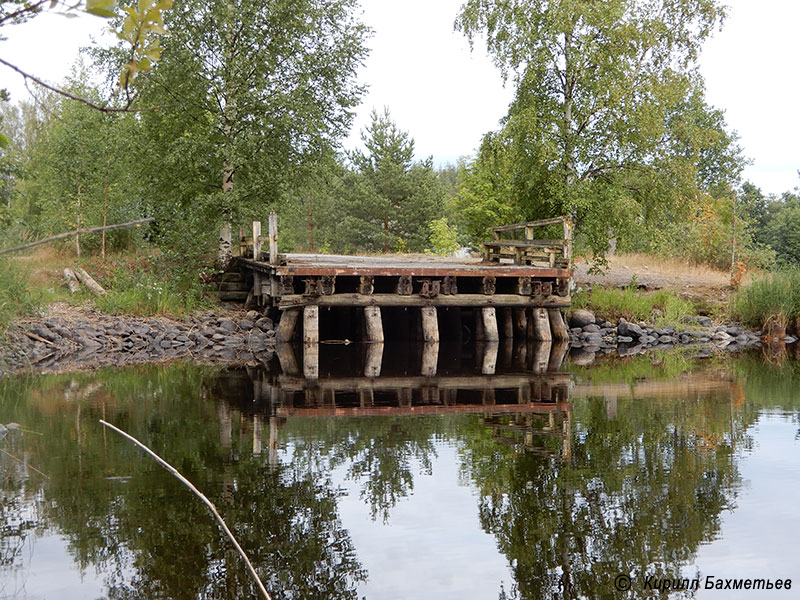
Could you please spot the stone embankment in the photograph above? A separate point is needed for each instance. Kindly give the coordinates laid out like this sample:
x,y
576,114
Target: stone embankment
x,y
596,334
89,339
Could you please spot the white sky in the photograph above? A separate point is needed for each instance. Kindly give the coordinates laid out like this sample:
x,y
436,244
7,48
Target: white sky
x,y
447,97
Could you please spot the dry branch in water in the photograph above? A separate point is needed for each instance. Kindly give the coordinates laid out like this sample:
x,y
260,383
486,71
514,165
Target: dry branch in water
x,y
202,497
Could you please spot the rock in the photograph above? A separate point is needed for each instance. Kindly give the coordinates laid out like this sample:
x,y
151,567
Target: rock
x,y
721,336
253,315
265,324
740,338
624,339
581,356
246,324
666,339
581,318
685,339
702,321
591,328
228,325
789,339
629,349
629,329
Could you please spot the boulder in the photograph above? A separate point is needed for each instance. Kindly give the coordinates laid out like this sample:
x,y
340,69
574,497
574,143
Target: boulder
x,y
629,329
581,318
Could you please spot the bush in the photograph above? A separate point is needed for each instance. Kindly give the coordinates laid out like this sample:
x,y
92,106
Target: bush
x,y
151,287
444,237
774,297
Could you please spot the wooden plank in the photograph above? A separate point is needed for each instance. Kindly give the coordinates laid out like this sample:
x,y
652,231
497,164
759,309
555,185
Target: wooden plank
x,y
477,270
509,381
556,244
539,223
467,300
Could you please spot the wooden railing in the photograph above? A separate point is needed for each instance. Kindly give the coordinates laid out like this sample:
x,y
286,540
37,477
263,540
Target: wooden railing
x,y
517,243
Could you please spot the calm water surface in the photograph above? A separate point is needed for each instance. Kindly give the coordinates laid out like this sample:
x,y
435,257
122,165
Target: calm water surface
x,y
518,484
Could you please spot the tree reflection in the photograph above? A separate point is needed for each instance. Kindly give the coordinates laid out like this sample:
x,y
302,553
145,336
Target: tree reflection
x,y
130,520
638,496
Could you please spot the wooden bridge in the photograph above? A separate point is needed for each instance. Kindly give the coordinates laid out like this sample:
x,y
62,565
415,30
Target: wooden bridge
x,y
517,290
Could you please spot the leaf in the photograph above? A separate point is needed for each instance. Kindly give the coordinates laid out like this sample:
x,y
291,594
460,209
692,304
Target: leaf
x,y
101,8
4,141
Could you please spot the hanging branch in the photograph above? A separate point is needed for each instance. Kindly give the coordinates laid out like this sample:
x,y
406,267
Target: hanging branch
x,y
202,497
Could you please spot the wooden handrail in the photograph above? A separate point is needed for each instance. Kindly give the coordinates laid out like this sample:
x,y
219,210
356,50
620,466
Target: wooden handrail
x,y
540,223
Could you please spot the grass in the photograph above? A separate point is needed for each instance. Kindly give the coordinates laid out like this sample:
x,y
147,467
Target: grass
x,y
15,298
634,305
771,298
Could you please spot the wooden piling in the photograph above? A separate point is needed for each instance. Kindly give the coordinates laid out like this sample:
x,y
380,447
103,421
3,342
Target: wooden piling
x,y
287,359
311,324
480,331
430,324
557,354
490,324
489,364
374,323
311,360
541,357
520,323
558,326
508,323
287,325
373,360
541,325
430,359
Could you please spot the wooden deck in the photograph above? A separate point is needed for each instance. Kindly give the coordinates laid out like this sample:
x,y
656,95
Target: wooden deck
x,y
529,277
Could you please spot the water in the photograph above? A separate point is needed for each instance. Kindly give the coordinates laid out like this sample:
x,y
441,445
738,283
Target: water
x,y
404,486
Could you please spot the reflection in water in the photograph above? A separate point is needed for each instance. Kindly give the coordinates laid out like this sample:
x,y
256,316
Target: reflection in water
x,y
577,478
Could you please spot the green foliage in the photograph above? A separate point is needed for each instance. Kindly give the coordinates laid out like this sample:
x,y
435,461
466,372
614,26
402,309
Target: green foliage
x,y
608,124
444,237
15,298
151,287
633,304
775,296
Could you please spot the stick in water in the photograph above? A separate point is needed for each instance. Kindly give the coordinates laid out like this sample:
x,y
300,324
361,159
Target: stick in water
x,y
202,497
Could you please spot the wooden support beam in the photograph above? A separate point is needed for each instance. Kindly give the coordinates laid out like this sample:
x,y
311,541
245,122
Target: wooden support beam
x,y
480,331
372,318
311,325
430,359
520,323
465,300
489,363
311,360
557,354
286,358
507,323
287,325
373,360
490,324
558,326
541,357
256,240
541,325
430,324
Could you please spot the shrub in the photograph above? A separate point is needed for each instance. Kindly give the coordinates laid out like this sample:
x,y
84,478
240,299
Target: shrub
x,y
774,297
444,237
15,298
633,304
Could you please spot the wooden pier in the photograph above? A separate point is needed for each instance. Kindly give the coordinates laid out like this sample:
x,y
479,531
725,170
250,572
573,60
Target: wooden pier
x,y
517,290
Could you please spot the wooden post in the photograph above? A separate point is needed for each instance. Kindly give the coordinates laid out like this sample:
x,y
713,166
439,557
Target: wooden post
x,y
311,324
256,240
541,325
489,365
373,360
557,325
568,241
430,359
372,317
273,442
508,323
258,427
287,325
490,324
311,360
430,324
520,323
480,332
557,355
273,238
90,283
287,359
541,357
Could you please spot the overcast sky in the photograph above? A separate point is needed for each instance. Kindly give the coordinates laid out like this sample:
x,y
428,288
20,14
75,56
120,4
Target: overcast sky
x,y
447,97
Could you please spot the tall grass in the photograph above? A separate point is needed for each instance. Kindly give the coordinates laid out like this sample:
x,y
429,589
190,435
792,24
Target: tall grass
x,y
15,297
774,297
632,304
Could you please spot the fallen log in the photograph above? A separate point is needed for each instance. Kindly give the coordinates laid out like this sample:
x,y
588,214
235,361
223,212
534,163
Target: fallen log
x,y
72,281
90,283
